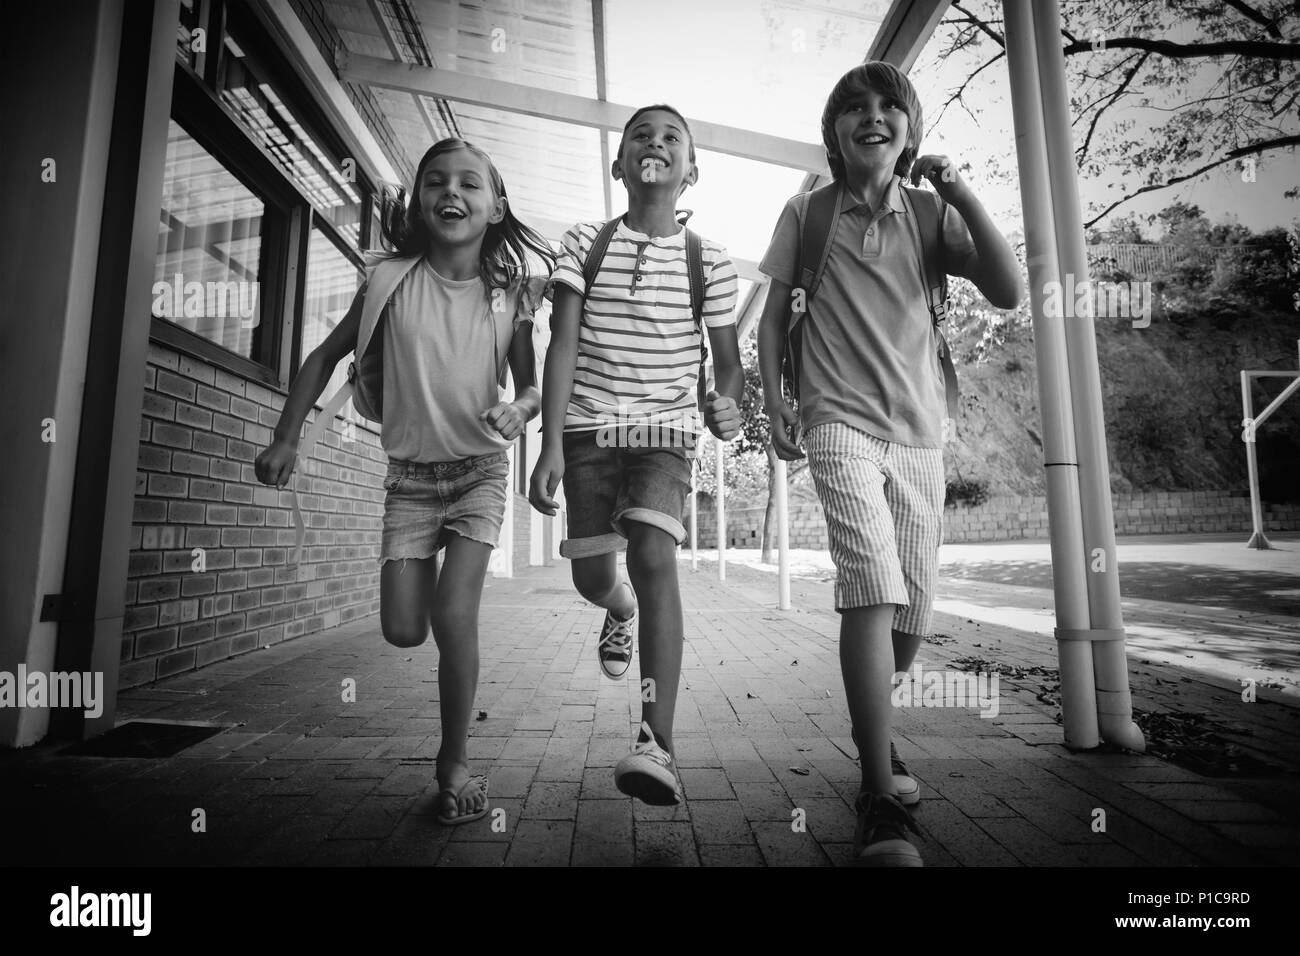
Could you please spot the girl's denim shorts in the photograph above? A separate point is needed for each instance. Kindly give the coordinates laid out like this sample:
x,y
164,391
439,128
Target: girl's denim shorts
x,y
428,501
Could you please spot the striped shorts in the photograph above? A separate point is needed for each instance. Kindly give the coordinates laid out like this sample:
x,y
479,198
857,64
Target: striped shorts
x,y
884,513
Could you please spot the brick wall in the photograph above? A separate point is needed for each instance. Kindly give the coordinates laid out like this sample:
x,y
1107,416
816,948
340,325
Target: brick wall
x,y
195,488
1017,517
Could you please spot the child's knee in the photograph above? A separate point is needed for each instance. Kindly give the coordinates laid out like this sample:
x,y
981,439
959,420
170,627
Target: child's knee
x,y
408,635
651,553
594,581
451,623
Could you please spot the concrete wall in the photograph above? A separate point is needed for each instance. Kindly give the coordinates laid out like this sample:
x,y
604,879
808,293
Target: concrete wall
x,y
1025,517
48,255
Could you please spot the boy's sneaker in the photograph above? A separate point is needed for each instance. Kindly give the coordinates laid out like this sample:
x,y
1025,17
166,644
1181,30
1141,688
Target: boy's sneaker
x,y
881,836
908,790
615,645
647,773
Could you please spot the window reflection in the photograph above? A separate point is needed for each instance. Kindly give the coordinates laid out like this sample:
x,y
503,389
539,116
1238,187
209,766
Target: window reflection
x,y
332,282
209,245
323,179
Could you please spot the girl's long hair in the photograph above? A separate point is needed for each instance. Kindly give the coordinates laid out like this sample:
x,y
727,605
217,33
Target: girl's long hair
x,y
503,260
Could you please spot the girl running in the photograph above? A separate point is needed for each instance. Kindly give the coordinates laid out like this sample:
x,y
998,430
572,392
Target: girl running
x,y
462,308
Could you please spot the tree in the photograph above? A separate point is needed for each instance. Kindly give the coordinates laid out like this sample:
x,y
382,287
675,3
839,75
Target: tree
x,y
1220,77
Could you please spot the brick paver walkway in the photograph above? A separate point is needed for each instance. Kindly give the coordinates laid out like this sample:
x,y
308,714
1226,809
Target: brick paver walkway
x,y
301,777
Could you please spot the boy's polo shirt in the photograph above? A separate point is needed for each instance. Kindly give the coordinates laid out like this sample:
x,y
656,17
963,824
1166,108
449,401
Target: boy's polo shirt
x,y
870,357
638,342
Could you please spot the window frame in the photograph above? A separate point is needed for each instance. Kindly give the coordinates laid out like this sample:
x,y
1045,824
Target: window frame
x,y
289,215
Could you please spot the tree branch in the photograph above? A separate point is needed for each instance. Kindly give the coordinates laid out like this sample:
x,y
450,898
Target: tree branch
x,y
956,97
1250,13
1252,48
1096,117
1239,153
980,25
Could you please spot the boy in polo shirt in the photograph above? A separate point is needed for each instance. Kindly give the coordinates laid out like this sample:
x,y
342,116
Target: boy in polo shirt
x,y
620,421
872,405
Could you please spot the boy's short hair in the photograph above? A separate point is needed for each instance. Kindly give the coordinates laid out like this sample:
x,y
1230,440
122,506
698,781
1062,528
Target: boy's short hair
x,y
690,138
886,80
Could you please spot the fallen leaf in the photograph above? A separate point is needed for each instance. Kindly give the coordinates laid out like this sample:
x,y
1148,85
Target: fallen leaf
x,y
801,771
751,696
482,715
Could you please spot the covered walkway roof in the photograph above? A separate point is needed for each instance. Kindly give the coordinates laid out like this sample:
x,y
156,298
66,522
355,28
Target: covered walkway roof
x,y
545,88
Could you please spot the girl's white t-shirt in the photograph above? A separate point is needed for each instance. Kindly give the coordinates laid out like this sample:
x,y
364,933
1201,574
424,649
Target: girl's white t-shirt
x,y
444,348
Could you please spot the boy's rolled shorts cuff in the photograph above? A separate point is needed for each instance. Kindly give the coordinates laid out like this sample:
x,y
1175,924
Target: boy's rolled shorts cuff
x,y
617,541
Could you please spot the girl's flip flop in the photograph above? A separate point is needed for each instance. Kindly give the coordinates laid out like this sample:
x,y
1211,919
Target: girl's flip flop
x,y
454,819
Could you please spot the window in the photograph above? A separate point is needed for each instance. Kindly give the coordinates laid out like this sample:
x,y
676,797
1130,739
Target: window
x,y
327,181
206,274
332,283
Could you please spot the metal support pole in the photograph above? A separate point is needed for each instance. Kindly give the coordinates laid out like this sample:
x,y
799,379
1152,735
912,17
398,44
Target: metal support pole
x,y
1078,701
782,537
720,499
1258,540
695,513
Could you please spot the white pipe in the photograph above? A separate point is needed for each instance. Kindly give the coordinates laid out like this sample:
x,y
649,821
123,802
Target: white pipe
x,y
782,537
1078,702
1258,540
506,543
695,513
1110,665
721,500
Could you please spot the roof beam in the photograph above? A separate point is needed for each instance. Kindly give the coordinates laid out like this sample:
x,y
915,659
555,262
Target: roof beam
x,y
905,30
602,93
567,108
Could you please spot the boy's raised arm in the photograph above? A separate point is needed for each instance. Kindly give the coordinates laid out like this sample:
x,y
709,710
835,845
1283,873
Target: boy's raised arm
x,y
993,268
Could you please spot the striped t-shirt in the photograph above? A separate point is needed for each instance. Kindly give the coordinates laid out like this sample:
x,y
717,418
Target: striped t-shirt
x,y
638,344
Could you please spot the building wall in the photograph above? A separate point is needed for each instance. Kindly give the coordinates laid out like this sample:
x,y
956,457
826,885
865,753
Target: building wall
x,y
1025,517
195,489
47,266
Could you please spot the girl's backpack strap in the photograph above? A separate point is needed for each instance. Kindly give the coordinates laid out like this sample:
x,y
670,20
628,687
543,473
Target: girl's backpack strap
x,y
383,281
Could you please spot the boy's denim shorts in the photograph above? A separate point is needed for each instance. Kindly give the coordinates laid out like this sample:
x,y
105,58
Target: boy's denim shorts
x,y
607,486
428,501
884,516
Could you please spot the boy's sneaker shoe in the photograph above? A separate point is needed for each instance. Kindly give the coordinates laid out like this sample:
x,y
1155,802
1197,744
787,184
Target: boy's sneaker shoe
x,y
908,790
615,645
881,836
647,773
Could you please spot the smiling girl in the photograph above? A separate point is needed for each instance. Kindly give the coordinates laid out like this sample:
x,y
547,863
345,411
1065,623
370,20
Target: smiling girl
x,y
463,306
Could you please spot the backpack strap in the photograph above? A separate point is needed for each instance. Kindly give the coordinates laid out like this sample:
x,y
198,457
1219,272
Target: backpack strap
x,y
821,217
596,254
695,275
927,231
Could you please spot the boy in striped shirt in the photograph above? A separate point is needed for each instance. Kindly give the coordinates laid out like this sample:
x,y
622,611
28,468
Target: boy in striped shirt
x,y
620,420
